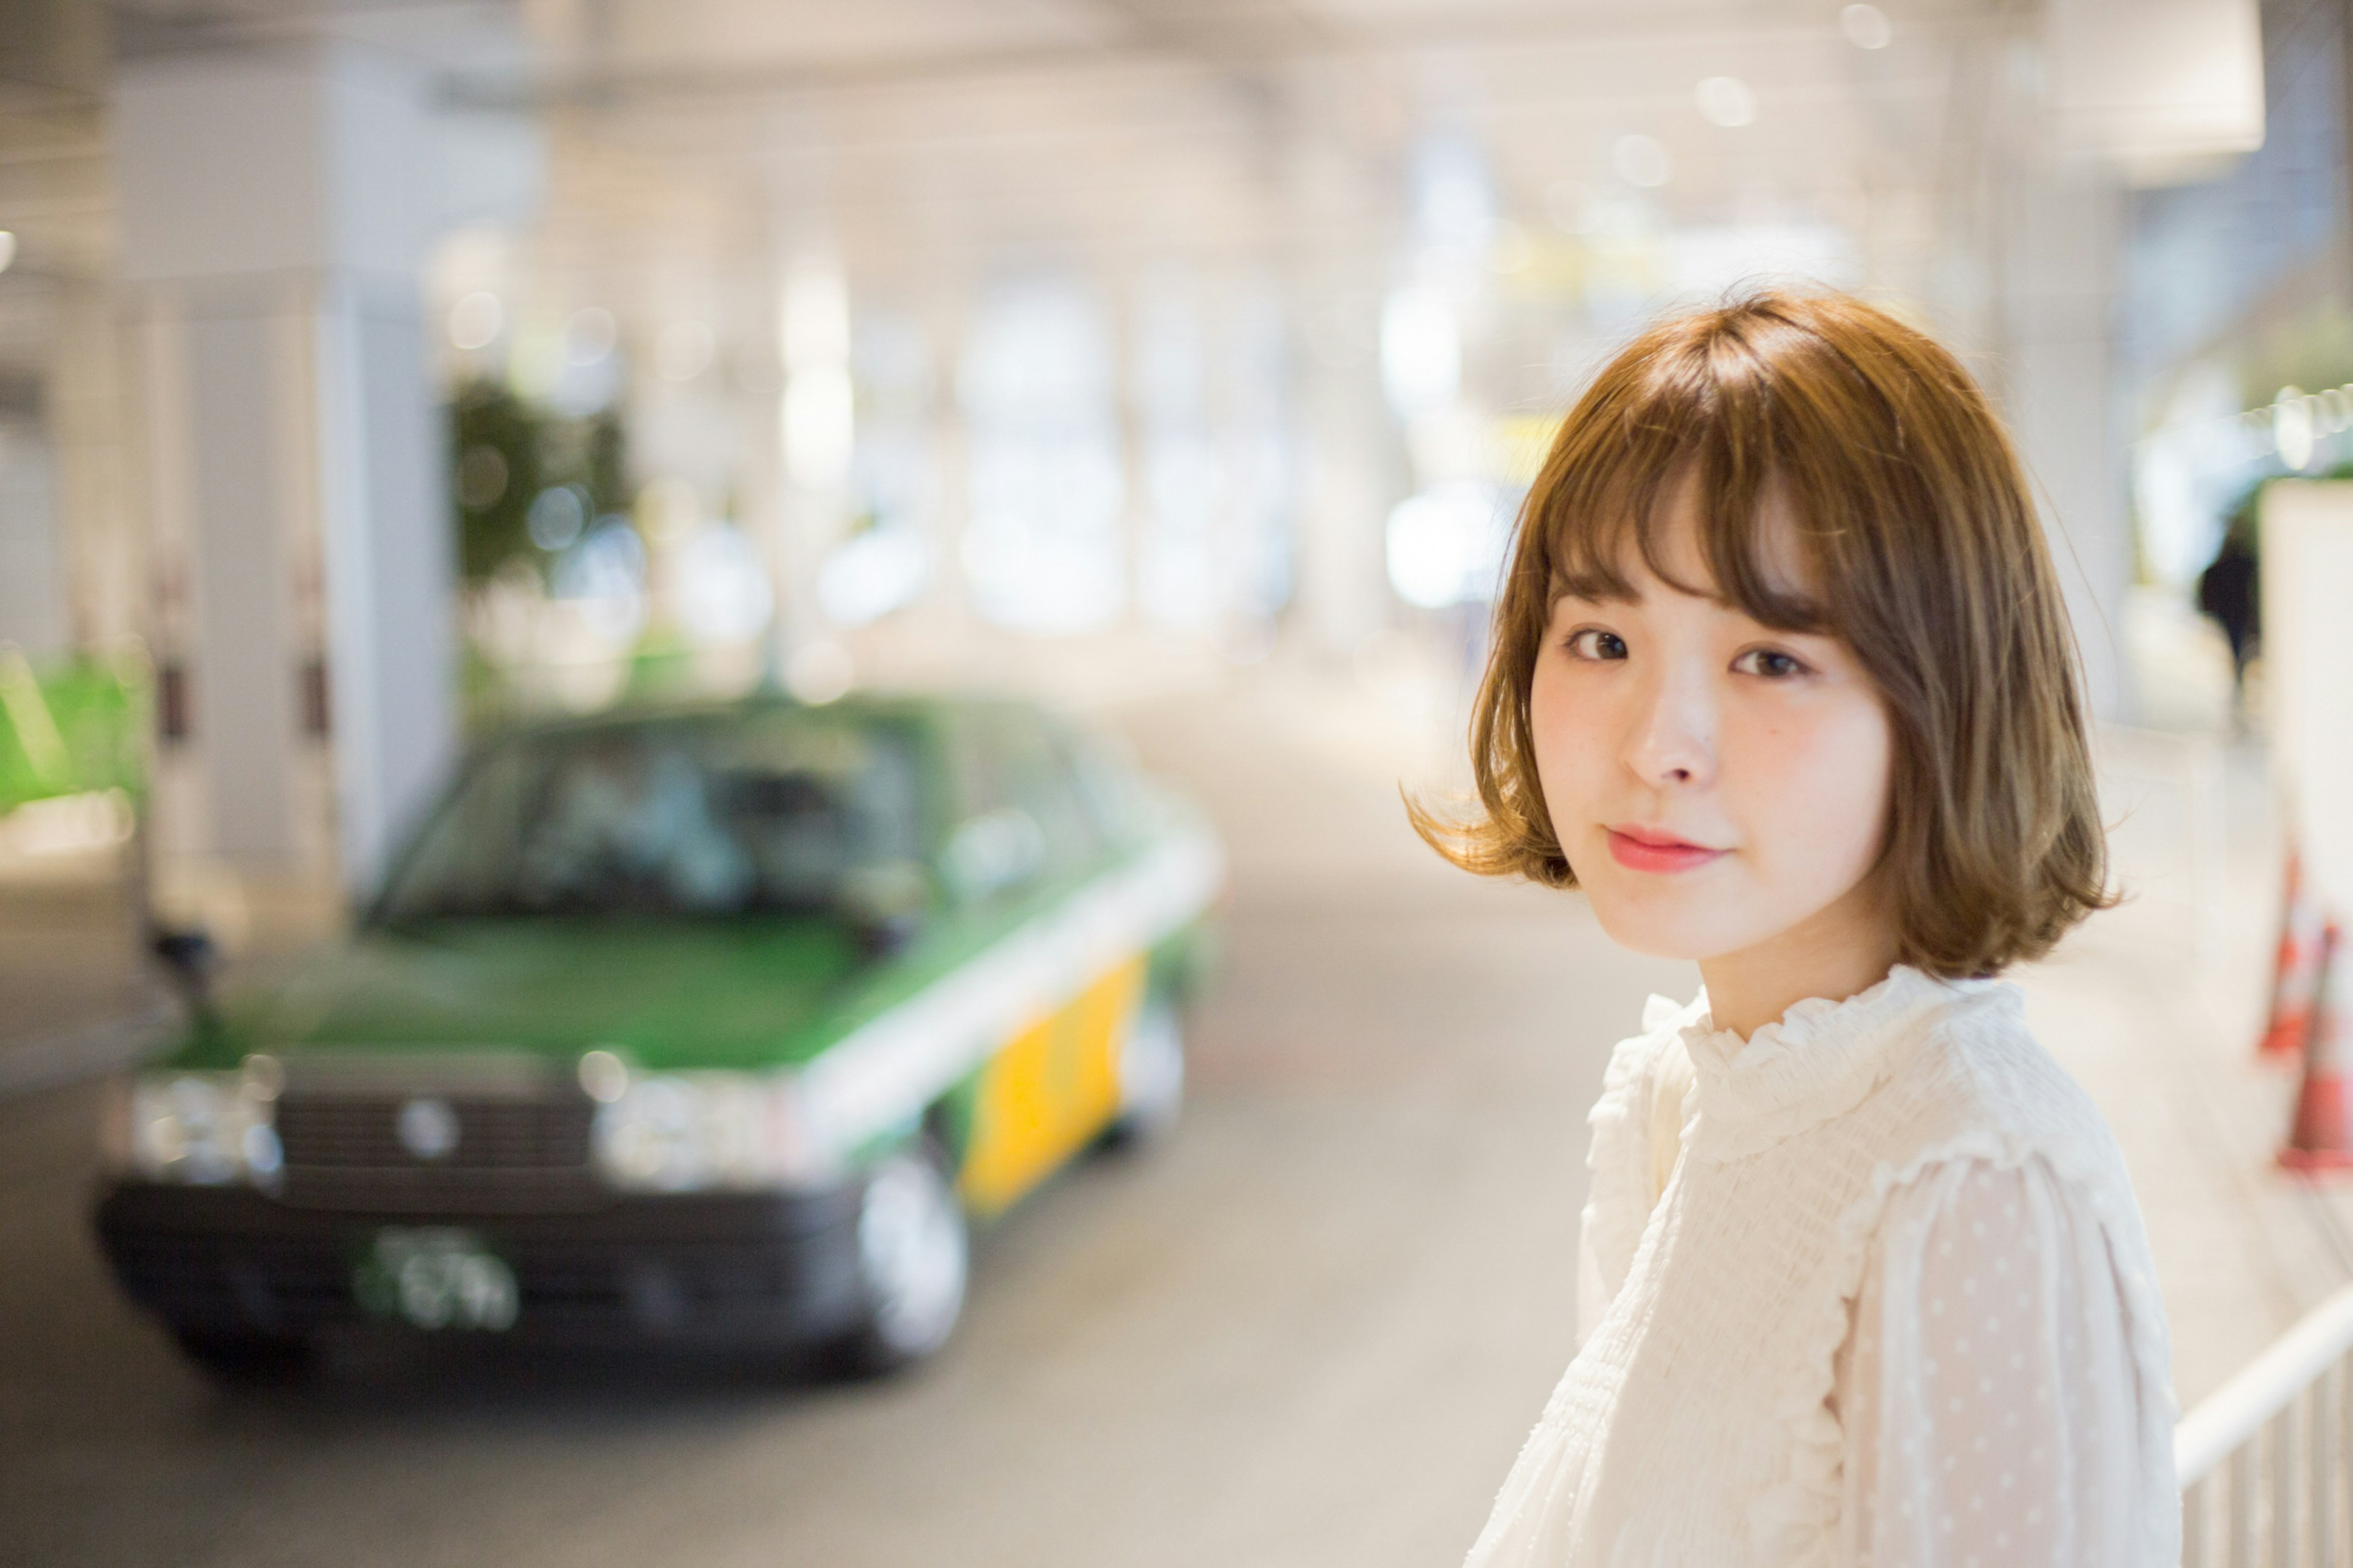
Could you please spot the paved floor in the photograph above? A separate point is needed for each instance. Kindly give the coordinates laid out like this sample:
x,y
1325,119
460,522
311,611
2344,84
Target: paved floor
x,y
1313,1328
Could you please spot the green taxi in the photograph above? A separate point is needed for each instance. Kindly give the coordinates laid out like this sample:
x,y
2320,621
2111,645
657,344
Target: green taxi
x,y
716,1024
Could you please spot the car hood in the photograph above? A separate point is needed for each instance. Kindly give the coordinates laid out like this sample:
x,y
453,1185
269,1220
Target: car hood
x,y
667,995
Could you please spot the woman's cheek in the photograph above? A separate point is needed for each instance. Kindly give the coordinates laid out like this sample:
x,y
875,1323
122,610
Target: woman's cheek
x,y
1547,721
1556,775
1784,781
1834,762
1569,753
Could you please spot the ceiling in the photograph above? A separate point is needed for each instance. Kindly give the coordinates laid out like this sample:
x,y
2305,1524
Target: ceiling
x,y
1138,124
925,140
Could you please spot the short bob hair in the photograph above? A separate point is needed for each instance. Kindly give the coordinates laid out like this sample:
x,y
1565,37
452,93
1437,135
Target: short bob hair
x,y
1924,555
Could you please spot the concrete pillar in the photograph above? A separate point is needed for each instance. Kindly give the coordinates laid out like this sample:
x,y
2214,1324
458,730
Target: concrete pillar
x,y
1352,479
2057,286
2139,92
32,557
104,559
1352,462
275,207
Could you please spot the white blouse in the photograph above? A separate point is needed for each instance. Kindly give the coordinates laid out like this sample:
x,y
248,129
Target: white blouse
x,y
1870,1288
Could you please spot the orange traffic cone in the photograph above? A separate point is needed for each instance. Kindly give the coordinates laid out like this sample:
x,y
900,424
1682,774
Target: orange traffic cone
x,y
2295,972
2322,1138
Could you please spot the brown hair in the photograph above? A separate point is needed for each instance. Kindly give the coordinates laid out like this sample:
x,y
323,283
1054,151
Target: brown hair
x,y
1913,516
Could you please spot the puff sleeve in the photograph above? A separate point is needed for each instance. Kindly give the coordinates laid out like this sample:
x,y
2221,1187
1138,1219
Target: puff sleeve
x,y
1996,1395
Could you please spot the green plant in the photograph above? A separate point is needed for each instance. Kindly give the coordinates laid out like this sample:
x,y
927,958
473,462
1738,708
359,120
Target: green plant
x,y
506,453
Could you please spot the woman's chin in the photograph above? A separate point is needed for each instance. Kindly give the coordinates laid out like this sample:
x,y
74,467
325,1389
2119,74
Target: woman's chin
x,y
1653,939
1657,928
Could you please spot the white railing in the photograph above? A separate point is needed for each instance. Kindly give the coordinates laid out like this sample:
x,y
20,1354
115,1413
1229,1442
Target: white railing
x,y
2261,1459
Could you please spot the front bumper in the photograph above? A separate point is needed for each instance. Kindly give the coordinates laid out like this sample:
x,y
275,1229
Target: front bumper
x,y
702,1269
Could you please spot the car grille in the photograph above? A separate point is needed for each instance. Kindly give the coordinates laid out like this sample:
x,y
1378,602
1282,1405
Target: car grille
x,y
519,1147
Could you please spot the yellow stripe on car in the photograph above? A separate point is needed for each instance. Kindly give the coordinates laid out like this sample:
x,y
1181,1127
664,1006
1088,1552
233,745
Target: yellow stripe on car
x,y
1054,1086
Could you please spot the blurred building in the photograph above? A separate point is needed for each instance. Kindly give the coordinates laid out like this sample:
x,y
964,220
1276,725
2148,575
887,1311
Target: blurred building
x,y
368,373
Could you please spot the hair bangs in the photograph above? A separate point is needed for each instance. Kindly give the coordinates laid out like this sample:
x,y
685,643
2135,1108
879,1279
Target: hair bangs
x,y
1613,505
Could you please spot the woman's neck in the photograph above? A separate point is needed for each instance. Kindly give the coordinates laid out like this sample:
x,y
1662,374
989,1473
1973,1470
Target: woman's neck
x,y
1845,947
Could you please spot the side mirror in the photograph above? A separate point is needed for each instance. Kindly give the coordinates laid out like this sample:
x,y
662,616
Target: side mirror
x,y
191,957
883,935
887,904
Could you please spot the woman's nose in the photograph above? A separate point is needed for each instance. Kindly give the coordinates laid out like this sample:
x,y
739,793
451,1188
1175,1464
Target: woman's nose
x,y
1673,740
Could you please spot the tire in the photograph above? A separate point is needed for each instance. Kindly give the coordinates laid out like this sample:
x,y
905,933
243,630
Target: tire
x,y
246,1359
1151,1077
913,1255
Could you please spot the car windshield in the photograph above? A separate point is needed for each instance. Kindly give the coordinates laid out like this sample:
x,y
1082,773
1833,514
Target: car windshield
x,y
783,811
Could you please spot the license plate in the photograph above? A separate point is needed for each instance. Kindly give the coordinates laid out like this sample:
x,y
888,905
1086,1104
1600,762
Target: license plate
x,y
436,1276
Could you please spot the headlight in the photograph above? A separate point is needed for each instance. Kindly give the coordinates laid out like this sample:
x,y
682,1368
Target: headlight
x,y
208,1129
680,1133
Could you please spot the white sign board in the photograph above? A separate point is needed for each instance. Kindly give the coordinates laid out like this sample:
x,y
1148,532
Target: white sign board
x,y
2308,594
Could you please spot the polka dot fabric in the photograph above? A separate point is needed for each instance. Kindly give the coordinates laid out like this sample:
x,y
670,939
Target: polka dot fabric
x,y
1869,1287
1987,1393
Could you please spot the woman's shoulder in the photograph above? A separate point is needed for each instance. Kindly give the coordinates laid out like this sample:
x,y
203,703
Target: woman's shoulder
x,y
2009,1163
1647,1068
1983,1089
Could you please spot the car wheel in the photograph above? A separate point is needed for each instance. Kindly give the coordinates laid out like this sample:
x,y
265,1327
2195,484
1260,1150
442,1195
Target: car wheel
x,y
245,1357
1151,1076
912,1257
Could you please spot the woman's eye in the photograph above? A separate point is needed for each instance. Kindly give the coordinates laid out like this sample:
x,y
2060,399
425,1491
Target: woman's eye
x,y
1596,644
1769,662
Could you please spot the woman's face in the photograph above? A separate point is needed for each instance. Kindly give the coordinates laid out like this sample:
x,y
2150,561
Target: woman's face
x,y
1715,784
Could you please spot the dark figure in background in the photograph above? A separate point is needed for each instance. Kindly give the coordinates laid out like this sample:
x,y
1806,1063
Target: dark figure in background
x,y
2229,591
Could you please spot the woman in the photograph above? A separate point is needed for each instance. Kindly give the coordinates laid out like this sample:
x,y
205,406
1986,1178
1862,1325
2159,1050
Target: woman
x,y
1782,680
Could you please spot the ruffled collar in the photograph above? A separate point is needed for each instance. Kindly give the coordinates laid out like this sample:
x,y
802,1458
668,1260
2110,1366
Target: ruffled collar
x,y
1817,1061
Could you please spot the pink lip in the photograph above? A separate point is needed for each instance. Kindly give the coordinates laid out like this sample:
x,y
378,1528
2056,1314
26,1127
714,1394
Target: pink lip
x,y
1641,850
